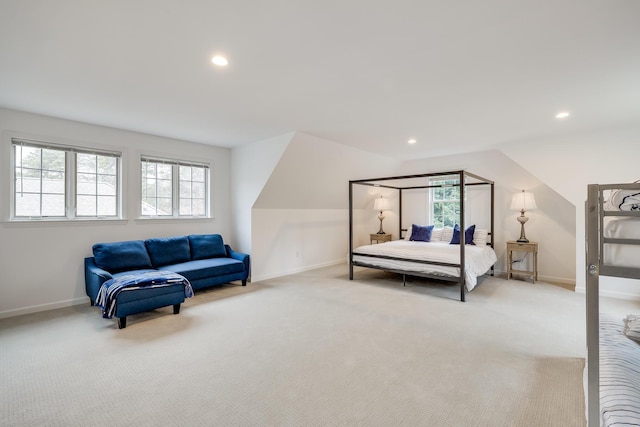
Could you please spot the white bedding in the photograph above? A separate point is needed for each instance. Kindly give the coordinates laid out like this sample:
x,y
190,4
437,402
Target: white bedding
x,y
622,255
479,259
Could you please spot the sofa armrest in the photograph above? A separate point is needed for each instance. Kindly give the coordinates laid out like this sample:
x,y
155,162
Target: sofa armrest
x,y
245,258
94,277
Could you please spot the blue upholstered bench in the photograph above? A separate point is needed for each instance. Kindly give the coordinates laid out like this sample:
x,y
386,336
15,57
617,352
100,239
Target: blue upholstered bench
x,y
133,293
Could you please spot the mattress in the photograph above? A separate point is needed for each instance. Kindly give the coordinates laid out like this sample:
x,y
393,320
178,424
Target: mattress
x,y
617,254
619,375
478,259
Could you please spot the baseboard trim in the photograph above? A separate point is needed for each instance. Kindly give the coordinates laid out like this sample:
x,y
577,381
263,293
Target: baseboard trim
x,y
296,270
542,278
612,294
43,307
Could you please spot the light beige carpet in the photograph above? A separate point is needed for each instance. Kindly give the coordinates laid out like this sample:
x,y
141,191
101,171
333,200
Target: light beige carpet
x,y
310,349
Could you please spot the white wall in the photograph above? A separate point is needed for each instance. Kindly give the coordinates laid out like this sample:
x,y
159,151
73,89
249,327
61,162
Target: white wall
x,y
552,224
251,167
293,240
300,220
568,164
42,263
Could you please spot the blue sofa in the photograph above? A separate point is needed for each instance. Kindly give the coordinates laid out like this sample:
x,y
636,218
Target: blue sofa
x,y
203,259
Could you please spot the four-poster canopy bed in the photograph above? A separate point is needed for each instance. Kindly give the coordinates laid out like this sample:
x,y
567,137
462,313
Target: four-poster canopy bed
x,y
460,263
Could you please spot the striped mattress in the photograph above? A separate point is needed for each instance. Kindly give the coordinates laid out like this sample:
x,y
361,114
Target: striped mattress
x,y
619,374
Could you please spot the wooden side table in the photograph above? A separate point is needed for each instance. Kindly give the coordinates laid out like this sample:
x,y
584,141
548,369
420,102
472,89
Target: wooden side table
x,y
513,246
380,238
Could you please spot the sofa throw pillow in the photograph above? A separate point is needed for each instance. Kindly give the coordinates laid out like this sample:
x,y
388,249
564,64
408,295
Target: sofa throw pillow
x,y
421,233
205,246
121,256
468,235
168,250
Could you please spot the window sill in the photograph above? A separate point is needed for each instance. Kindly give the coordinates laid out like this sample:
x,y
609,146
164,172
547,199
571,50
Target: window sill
x,y
62,222
150,220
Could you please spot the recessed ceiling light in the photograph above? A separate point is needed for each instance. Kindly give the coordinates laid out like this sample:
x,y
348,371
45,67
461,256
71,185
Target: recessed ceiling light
x,y
220,61
563,115
412,141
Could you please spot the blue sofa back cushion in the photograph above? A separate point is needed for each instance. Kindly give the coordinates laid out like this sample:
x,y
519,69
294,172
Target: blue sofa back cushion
x,y
121,256
168,250
205,246
468,235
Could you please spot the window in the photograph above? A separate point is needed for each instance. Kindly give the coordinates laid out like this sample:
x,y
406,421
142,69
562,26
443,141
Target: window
x,y
445,202
172,188
97,184
63,182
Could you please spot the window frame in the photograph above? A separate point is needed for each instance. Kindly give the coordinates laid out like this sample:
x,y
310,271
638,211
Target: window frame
x,y
70,182
175,164
437,184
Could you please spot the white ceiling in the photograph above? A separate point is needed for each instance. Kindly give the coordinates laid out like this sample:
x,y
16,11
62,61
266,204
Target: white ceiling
x,y
455,75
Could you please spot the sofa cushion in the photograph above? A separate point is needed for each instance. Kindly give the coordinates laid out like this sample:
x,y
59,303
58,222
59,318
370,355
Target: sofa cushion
x,y
205,246
168,250
121,256
203,268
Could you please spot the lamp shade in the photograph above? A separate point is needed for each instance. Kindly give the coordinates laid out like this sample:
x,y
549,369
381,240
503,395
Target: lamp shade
x,y
523,201
380,204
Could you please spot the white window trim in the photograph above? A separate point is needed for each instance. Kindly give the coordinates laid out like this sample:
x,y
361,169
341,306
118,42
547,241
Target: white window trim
x,y
70,182
432,181
175,182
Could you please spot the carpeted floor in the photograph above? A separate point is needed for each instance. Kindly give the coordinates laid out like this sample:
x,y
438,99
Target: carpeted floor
x,y
310,349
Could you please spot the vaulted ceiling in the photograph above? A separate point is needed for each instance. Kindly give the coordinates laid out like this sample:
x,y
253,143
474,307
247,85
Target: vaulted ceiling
x,y
455,76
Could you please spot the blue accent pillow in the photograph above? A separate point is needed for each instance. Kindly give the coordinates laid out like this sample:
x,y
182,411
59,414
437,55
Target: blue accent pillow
x,y
204,246
121,256
421,233
168,250
468,235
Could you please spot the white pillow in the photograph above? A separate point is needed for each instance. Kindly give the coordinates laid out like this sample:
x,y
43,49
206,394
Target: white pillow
x,y
632,327
480,237
447,234
436,235
407,234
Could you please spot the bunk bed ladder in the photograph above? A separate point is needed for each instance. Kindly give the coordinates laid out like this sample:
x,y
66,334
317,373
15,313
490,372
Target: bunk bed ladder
x,y
593,245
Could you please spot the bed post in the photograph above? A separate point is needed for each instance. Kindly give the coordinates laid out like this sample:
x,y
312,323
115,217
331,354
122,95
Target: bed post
x,y
350,230
592,229
493,236
462,240
400,214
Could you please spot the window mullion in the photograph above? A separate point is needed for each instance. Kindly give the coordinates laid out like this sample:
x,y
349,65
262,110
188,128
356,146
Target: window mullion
x,y
175,197
41,180
71,196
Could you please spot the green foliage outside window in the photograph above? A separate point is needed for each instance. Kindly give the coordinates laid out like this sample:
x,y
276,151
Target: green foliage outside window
x,y
445,203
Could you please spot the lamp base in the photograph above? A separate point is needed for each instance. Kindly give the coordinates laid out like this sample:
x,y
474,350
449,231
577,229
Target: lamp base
x,y
381,217
522,219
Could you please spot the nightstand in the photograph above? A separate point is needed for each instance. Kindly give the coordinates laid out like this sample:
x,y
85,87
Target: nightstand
x,y
380,238
513,246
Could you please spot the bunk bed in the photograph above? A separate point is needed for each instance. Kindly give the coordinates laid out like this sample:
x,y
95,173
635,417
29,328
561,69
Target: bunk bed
x,y
459,266
612,382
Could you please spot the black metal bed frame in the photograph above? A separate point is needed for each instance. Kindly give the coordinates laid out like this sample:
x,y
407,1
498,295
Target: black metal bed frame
x,y
378,182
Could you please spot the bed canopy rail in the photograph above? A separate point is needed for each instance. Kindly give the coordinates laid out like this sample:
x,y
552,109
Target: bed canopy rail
x,y
408,182
596,266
